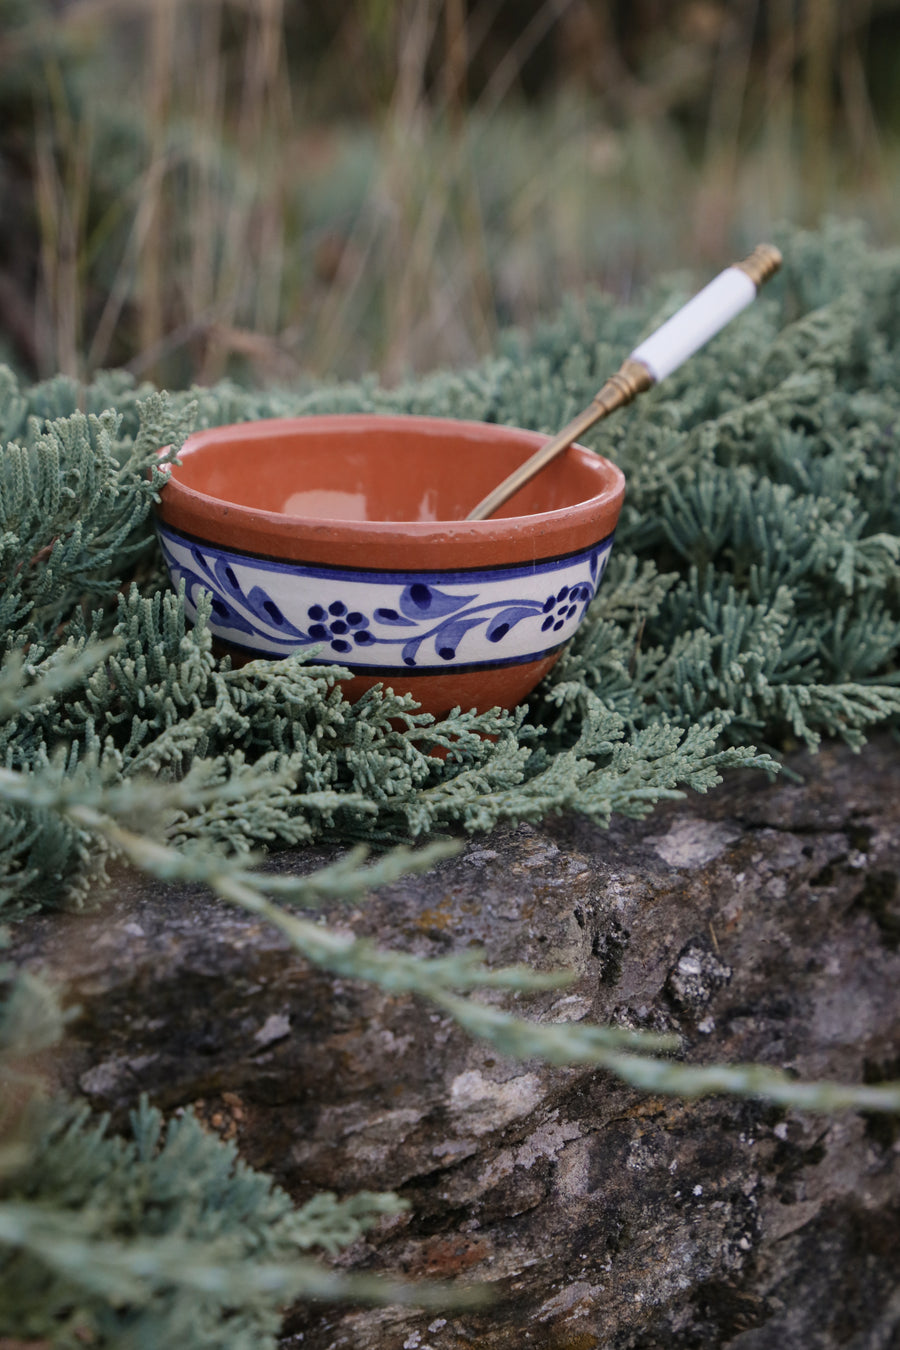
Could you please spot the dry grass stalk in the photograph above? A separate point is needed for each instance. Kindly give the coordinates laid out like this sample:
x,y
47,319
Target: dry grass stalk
x,y
471,212
818,109
62,177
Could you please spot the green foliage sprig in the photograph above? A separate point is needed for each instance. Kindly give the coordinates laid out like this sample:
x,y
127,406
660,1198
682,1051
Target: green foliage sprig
x,y
168,1239
161,1238
753,592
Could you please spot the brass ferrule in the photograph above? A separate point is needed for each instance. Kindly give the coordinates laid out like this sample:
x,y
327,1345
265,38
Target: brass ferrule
x,y
631,379
762,264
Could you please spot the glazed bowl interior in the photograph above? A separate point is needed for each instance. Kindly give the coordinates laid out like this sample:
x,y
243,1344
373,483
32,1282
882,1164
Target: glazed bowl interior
x,y
370,469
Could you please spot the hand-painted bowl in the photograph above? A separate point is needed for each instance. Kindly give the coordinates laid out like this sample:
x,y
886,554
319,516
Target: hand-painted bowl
x,y
346,534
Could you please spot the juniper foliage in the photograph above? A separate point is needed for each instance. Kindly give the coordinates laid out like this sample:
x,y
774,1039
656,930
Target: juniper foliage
x,y
753,594
161,1238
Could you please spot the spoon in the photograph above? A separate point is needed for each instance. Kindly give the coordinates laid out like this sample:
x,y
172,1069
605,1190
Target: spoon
x,y
656,357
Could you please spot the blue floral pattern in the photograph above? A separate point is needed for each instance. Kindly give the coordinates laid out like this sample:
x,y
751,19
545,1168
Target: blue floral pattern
x,y
379,621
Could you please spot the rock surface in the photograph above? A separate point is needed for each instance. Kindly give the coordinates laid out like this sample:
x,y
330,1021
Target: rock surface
x,y
762,922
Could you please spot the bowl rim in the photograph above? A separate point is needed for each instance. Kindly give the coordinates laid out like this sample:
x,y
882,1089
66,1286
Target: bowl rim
x,y
377,543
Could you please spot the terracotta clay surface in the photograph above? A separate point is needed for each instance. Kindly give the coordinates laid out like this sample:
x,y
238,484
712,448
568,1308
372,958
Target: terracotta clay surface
x,y
438,694
401,484
760,922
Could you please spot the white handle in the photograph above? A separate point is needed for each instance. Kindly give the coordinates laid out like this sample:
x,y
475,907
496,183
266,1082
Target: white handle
x,y
696,322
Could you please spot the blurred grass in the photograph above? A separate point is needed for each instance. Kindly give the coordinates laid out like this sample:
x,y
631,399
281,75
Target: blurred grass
x,y
269,189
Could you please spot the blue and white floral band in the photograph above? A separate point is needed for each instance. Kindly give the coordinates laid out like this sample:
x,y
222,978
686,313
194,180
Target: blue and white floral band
x,y
377,622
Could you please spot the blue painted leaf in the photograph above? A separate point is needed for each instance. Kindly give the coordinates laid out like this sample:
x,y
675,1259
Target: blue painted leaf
x,y
391,616
269,615
410,651
224,616
448,637
598,566
203,568
227,579
194,583
419,601
501,623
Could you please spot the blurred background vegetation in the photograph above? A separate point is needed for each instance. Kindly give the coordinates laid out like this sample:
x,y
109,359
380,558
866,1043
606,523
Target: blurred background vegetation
x,y
273,189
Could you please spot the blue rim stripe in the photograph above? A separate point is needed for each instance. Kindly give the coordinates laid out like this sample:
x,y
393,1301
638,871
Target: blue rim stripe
x,y
543,565
385,672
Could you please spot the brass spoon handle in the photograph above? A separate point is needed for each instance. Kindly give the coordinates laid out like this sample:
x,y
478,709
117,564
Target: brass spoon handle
x,y
682,335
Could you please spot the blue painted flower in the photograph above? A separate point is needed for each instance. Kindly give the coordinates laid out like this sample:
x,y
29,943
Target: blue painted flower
x,y
560,607
339,626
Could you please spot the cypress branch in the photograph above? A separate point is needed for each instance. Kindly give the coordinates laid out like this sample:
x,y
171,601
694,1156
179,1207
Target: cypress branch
x,y
161,1238
754,587
753,596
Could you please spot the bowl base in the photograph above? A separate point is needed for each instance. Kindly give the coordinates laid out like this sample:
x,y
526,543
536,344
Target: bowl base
x,y
497,687
502,687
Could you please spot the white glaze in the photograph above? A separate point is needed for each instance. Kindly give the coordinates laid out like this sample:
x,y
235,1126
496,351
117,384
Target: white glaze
x,y
388,622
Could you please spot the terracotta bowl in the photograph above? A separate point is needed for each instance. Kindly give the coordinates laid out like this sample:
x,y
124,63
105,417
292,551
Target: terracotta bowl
x,y
346,534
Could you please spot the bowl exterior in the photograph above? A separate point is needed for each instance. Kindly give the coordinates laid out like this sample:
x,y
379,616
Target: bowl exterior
x,y
479,627
391,625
